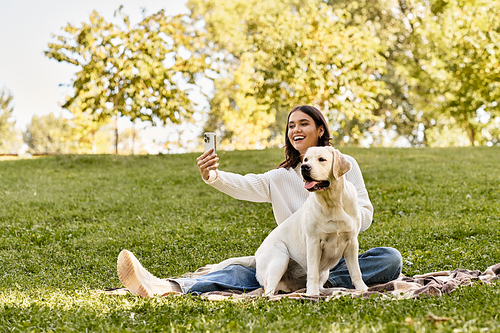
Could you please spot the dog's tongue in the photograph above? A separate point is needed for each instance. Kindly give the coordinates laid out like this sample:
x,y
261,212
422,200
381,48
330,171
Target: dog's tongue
x,y
310,184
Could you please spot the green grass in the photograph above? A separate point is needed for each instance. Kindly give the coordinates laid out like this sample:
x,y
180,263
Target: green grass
x,y
64,219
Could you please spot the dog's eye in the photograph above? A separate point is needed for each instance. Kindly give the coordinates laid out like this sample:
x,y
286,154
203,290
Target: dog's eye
x,y
321,159
305,159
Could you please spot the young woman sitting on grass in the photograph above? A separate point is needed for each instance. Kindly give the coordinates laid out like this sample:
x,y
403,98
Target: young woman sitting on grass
x,y
283,188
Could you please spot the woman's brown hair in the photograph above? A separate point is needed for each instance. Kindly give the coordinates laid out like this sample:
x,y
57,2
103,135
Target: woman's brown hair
x,y
292,155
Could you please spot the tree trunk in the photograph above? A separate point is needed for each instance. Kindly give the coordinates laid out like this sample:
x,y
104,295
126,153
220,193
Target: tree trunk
x,y
471,133
116,134
94,148
133,138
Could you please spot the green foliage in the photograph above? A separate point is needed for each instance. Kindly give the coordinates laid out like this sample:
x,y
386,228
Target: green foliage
x,y
468,49
133,71
64,219
386,20
446,64
436,85
9,139
285,53
90,136
426,72
49,134
454,63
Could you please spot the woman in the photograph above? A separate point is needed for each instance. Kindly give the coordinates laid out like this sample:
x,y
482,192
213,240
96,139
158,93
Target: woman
x,y
283,188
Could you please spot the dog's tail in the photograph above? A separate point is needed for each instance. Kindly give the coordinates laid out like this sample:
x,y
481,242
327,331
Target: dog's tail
x,y
243,261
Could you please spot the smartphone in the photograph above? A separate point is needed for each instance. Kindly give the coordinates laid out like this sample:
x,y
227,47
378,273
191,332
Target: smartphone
x,y
210,141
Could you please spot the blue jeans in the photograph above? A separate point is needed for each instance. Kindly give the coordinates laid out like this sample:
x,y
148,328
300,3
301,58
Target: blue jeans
x,y
378,265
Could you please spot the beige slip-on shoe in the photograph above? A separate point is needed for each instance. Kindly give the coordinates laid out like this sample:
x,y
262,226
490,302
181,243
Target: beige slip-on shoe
x,y
139,281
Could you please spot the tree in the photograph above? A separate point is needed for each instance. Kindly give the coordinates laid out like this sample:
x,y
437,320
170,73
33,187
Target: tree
x,y
466,40
443,70
91,135
441,66
395,114
49,134
140,72
130,140
284,53
8,133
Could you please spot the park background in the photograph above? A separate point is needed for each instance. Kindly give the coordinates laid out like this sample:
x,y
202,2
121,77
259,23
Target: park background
x,y
150,80
386,74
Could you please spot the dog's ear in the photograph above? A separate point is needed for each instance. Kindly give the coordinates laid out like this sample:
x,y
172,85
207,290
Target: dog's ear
x,y
340,164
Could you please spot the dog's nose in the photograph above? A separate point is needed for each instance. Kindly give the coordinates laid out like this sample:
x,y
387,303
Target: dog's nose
x,y
305,167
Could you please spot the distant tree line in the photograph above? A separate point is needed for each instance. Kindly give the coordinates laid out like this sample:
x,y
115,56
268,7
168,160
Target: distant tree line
x,y
425,73
10,138
51,134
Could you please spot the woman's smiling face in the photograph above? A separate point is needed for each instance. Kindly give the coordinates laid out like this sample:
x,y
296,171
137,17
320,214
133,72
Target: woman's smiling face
x,y
302,131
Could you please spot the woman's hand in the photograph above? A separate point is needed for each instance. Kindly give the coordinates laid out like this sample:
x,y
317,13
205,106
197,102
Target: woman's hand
x,y
207,162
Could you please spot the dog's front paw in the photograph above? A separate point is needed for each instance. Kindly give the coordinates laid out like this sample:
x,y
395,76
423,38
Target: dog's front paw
x,y
312,292
269,293
361,286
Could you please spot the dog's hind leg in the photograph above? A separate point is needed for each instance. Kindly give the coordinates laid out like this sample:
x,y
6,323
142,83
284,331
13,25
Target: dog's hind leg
x,y
269,273
243,261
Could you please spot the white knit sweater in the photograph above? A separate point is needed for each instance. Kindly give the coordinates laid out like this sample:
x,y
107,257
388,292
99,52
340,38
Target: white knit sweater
x,y
284,189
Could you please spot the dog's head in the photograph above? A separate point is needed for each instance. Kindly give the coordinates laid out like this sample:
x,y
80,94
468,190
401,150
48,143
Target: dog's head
x,y
321,166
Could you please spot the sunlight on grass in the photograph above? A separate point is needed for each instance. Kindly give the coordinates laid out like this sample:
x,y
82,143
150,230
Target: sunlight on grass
x,y
64,219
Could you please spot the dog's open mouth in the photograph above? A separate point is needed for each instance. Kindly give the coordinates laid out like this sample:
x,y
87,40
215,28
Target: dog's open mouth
x,y
313,185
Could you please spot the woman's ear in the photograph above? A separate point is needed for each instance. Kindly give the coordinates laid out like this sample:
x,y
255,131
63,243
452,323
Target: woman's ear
x,y
321,131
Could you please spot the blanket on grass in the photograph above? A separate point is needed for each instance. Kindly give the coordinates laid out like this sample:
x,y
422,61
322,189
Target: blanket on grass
x,y
434,284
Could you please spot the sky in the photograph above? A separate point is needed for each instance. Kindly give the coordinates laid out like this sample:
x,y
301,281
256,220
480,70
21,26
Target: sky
x,y
26,27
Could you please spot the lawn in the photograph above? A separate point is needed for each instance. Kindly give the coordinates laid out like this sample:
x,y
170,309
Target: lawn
x,y
64,219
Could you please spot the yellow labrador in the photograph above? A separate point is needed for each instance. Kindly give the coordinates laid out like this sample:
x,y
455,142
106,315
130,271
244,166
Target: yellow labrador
x,y
300,252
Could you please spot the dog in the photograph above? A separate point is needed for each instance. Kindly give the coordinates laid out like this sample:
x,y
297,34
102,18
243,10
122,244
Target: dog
x,y
301,251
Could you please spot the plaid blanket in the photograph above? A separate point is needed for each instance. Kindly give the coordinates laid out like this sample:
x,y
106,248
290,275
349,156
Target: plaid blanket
x,y
435,284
